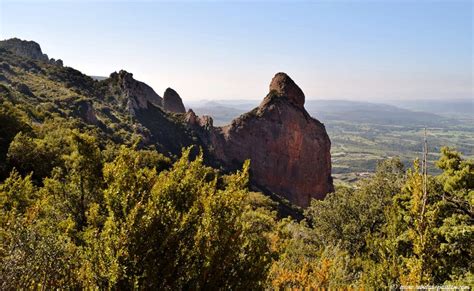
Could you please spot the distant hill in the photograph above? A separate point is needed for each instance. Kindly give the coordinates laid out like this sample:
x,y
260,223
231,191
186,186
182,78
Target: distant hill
x,y
374,113
224,111
443,107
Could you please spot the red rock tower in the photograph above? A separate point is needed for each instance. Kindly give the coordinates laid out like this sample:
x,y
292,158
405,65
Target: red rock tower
x,y
289,150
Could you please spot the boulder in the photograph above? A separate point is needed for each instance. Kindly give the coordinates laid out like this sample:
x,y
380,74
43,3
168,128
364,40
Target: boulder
x,y
86,111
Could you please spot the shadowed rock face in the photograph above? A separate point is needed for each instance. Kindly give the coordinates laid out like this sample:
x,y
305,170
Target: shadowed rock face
x,y
289,150
172,102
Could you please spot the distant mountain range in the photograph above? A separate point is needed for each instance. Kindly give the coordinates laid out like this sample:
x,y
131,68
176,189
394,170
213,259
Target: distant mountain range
x,y
444,107
223,111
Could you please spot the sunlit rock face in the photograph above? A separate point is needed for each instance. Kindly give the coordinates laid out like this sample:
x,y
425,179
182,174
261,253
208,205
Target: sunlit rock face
x,y
289,150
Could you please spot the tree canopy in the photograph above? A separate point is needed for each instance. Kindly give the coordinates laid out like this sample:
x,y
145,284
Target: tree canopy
x,y
78,211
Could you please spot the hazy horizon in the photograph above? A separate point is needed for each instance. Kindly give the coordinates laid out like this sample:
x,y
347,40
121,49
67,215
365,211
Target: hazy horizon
x,y
345,50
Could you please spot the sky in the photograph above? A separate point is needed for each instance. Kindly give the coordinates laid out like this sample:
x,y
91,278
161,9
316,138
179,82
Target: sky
x,y
356,50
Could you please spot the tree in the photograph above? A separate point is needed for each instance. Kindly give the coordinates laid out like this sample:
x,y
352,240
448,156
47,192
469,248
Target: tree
x,y
12,121
36,252
303,263
40,151
345,243
456,230
421,212
439,222
186,227
347,216
78,183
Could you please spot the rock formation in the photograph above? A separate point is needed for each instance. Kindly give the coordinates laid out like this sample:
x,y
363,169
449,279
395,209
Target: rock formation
x,y
137,94
86,111
199,122
289,150
57,62
172,102
28,49
191,118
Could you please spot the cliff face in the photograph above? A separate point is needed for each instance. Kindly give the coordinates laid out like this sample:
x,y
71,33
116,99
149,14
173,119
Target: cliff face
x,y
137,94
289,150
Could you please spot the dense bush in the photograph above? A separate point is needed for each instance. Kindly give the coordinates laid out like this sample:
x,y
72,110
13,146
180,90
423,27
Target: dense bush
x,y
79,210
385,233
122,218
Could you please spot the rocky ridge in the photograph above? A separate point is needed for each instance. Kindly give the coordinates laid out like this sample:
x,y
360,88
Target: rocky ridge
x,y
28,49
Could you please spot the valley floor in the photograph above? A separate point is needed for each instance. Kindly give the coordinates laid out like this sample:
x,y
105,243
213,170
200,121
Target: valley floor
x,y
357,148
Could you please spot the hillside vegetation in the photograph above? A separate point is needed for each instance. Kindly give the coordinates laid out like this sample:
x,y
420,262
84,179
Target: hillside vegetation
x,y
86,203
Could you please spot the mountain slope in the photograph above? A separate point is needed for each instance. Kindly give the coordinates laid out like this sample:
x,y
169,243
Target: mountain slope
x,y
123,110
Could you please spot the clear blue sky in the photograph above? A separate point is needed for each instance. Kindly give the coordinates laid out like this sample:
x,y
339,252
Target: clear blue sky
x,y
363,50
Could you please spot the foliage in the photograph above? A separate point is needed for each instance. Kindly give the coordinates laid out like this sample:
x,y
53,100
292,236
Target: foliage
x,y
347,216
12,121
85,205
127,218
78,211
304,263
381,234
